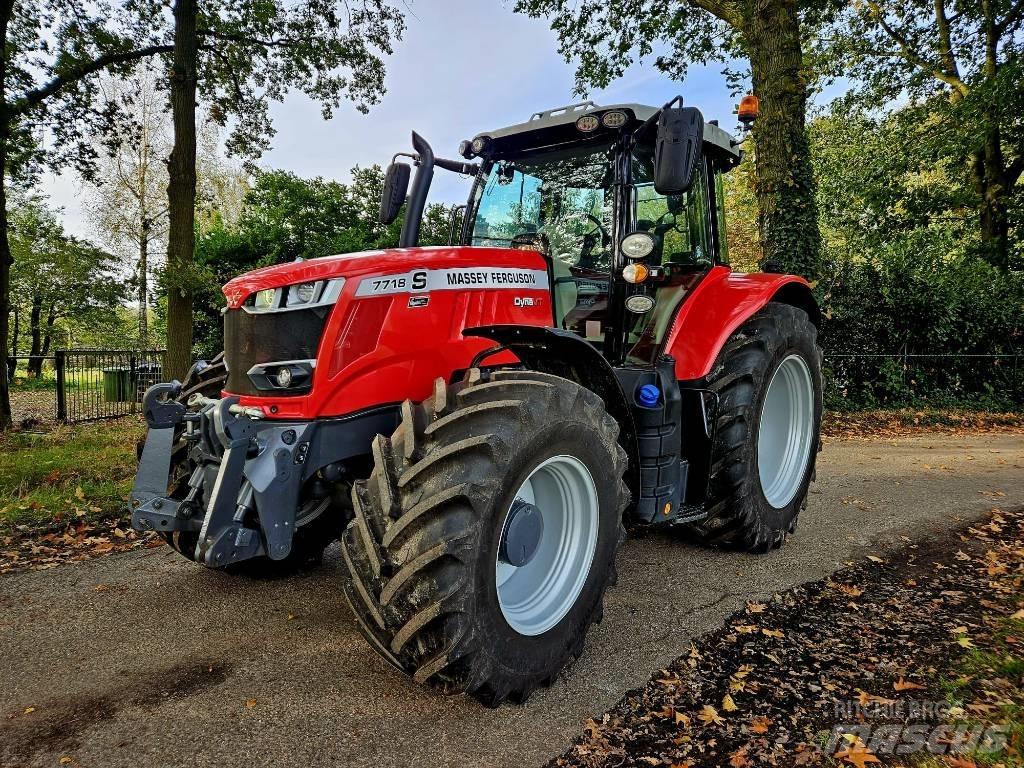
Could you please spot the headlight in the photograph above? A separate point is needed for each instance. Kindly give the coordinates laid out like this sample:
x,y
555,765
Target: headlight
x,y
283,378
297,296
265,299
637,245
303,293
479,144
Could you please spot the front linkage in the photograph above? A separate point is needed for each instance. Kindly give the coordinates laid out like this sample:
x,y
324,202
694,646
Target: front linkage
x,y
245,468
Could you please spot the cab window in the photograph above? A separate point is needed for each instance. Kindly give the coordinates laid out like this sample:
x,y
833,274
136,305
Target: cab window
x,y
678,223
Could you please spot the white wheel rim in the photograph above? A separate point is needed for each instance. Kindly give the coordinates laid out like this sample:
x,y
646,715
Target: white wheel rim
x,y
785,431
536,596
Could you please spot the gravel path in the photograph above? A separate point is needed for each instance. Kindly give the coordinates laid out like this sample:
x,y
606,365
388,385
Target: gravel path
x,y
144,658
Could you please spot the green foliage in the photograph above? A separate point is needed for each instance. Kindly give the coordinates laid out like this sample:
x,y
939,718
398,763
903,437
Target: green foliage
x,y
905,275
60,284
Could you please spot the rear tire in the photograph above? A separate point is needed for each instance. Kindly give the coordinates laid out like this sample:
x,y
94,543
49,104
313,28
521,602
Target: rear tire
x,y
422,553
763,459
310,540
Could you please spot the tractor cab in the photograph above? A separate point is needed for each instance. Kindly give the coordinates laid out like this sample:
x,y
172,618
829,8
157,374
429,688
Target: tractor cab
x,y
580,184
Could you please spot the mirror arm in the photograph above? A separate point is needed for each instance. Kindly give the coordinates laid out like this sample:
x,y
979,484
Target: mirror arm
x,y
651,121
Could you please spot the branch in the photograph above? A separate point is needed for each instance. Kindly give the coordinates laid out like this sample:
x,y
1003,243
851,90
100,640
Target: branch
x,y
1012,17
1014,171
722,9
236,38
945,39
914,58
38,95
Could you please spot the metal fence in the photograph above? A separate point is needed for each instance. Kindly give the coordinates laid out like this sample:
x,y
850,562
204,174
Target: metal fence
x,y
78,385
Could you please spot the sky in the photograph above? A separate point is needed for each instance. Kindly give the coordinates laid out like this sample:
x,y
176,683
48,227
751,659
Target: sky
x,y
462,67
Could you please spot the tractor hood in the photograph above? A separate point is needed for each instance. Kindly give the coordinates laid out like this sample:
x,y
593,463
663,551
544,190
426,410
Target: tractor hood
x,y
459,265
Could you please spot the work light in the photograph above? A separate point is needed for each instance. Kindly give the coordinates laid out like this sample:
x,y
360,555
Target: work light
x,y
614,119
588,123
637,245
480,144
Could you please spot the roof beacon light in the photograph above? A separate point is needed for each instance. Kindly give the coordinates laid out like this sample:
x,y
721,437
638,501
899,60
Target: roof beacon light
x,y
749,109
588,123
616,118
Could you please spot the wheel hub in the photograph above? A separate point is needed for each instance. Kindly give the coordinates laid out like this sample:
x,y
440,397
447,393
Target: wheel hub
x,y
785,432
549,536
521,537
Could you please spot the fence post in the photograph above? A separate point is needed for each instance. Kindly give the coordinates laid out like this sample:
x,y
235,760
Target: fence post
x,y
59,362
133,382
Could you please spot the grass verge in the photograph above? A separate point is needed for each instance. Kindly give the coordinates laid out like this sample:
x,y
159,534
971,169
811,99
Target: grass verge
x,y
48,479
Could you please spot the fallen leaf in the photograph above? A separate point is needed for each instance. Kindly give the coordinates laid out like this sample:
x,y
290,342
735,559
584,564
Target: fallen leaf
x,y
728,704
250,703
875,559
760,725
709,715
738,759
29,710
903,685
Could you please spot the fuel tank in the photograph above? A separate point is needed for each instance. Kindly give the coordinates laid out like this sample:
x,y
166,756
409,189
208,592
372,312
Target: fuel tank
x,y
379,326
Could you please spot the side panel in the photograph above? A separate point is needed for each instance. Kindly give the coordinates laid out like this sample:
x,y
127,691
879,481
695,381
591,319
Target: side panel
x,y
719,305
389,338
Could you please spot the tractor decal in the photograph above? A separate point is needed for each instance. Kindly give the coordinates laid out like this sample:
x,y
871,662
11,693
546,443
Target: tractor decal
x,y
461,278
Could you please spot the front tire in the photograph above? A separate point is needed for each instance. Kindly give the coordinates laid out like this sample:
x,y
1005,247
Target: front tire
x,y
768,380
429,575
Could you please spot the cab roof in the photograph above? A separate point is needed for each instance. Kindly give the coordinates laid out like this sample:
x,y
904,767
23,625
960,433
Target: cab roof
x,y
558,125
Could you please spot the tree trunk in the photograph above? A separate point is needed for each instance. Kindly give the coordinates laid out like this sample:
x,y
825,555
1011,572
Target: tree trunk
x,y
144,286
5,288
15,330
783,176
35,364
51,318
181,191
6,10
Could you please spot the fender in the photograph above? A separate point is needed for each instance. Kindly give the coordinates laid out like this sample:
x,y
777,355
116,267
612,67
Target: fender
x,y
721,303
562,353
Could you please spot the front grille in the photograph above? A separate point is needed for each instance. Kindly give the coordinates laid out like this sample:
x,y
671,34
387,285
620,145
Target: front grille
x,y
250,339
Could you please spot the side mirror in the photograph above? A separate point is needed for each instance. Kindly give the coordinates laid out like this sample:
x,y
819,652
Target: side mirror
x,y
396,187
678,149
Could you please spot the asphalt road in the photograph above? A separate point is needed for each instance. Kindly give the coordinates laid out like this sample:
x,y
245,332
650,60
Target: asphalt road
x,y
146,659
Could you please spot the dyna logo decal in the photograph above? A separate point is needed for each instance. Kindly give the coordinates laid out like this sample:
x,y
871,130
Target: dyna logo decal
x,y
460,279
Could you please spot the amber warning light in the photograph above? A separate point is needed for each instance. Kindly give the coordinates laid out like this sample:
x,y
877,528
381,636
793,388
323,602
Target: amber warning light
x,y
750,107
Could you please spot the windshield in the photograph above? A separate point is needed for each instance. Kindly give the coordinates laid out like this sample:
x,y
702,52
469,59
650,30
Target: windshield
x,y
562,195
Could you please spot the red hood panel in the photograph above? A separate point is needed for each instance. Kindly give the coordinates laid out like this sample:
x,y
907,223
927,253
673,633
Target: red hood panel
x,y
390,261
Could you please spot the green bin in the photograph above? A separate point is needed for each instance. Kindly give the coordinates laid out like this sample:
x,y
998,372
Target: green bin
x,y
117,385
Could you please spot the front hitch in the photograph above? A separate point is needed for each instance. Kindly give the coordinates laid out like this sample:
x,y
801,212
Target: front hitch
x,y
245,469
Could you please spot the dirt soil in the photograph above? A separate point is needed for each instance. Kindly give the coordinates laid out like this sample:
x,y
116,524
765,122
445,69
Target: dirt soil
x,y
842,667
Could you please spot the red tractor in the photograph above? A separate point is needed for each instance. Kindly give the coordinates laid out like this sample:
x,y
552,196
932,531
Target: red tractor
x,y
478,421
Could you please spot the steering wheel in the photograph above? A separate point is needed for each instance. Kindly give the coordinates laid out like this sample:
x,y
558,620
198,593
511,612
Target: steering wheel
x,y
588,240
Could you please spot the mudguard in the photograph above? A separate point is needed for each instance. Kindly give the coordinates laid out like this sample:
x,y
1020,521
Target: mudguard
x,y
721,303
562,353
